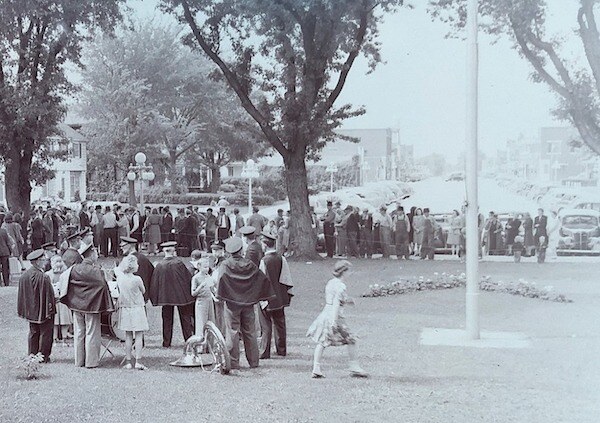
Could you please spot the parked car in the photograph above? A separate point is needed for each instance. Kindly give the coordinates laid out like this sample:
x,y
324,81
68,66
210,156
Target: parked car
x,y
441,233
579,232
456,176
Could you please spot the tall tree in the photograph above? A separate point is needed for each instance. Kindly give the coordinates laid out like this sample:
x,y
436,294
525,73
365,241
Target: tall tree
x,y
37,39
298,54
577,85
151,93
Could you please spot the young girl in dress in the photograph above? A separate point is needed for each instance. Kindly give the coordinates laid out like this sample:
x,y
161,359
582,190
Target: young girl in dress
x,y
202,283
132,314
329,328
63,318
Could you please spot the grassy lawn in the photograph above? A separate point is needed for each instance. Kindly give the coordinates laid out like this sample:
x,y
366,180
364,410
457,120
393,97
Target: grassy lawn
x,y
556,380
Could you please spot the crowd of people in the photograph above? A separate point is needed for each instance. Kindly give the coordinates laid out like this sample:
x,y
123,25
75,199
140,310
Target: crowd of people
x,y
242,280
417,234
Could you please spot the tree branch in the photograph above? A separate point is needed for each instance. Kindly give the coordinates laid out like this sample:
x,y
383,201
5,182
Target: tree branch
x,y
358,40
235,83
590,37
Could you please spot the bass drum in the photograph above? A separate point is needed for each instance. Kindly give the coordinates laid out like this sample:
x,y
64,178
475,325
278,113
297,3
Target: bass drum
x,y
108,326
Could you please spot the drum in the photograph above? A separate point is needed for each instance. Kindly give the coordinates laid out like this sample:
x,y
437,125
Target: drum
x,y
108,326
108,321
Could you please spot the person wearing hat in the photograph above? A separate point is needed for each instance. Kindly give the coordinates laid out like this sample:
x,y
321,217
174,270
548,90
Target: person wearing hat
x,y
430,226
37,230
71,255
87,238
330,328
328,220
84,217
14,230
272,313
352,228
223,225
383,222
241,285
87,294
254,251
37,305
145,267
366,234
401,228
97,223
170,287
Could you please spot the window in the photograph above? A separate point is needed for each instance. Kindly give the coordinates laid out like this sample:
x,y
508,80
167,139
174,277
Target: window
x,y
75,186
76,150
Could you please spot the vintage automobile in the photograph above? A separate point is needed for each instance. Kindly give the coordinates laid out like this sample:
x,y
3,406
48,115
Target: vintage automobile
x,y
579,232
441,233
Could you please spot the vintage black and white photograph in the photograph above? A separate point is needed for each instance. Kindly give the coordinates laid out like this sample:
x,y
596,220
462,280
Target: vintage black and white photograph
x,y
300,211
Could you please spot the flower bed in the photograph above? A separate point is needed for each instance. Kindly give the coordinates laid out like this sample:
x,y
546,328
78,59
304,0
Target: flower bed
x,y
445,281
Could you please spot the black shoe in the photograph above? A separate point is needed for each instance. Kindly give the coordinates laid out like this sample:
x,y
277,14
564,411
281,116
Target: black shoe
x,y
165,345
46,360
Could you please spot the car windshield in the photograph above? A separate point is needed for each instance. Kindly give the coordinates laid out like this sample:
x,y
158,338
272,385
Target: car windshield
x,y
580,222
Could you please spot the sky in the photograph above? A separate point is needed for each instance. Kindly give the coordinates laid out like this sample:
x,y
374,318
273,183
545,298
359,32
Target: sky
x,y
421,88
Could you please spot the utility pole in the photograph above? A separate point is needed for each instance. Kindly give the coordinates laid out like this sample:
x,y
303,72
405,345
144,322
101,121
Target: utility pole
x,y
472,221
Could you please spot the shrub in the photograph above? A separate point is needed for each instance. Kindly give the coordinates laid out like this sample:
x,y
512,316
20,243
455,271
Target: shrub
x,y
227,188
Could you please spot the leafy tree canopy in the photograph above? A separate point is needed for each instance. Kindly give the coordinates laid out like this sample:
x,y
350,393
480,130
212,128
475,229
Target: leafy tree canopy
x,y
577,85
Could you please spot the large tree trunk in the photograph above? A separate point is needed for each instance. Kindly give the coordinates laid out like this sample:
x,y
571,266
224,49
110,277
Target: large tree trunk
x,y
215,179
173,171
17,174
297,188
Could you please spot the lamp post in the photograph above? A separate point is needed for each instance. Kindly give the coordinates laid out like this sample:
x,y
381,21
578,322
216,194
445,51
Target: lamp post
x,y
332,168
141,171
250,170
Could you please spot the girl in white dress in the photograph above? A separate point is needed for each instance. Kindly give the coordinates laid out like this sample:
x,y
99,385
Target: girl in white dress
x,y
132,313
329,328
63,317
202,284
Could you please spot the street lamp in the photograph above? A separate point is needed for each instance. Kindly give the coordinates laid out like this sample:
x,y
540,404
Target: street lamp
x,y
142,172
250,170
365,168
332,168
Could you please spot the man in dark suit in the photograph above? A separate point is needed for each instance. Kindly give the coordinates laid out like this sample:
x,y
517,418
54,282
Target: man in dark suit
x,y
223,225
6,243
254,251
540,224
166,225
145,266
84,218
329,229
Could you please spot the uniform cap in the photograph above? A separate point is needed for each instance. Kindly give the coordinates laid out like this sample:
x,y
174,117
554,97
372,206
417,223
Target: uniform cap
x,y
219,245
247,230
35,254
86,250
128,240
168,244
233,245
49,246
269,235
73,236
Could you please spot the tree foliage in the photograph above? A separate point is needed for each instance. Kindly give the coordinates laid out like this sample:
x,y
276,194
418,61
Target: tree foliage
x,y
577,85
145,91
38,38
288,62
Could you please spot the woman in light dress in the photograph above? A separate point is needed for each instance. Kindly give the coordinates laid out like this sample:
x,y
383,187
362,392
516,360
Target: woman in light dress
x,y
418,227
329,328
202,286
456,224
63,318
132,313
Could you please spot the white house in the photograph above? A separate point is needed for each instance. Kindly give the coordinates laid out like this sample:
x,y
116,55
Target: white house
x,y
69,182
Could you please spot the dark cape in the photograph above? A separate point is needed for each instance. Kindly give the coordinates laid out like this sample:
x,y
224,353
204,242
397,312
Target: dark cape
x,y
171,283
71,256
35,299
87,291
254,252
145,271
242,283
